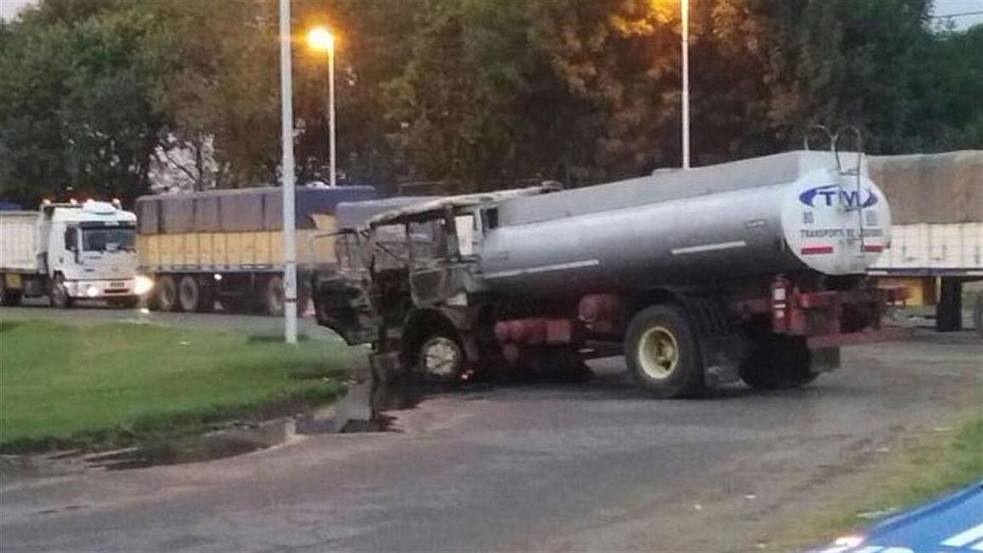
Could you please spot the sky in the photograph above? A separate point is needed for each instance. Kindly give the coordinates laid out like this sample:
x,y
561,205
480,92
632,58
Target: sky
x,y
9,8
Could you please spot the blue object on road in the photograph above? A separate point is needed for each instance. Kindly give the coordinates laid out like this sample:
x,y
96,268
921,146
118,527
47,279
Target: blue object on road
x,y
953,524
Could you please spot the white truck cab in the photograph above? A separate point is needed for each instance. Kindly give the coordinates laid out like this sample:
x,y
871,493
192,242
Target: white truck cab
x,y
70,251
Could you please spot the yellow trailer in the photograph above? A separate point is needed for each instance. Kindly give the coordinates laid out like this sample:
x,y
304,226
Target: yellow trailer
x,y
227,245
936,230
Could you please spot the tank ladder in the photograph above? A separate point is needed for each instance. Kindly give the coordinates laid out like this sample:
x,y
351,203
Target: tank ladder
x,y
856,171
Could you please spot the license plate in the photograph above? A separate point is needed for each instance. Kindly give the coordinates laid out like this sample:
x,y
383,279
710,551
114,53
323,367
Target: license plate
x,y
117,285
13,280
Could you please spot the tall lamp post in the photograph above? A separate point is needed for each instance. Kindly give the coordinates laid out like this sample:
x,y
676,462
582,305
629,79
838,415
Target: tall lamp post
x,y
684,9
287,165
322,40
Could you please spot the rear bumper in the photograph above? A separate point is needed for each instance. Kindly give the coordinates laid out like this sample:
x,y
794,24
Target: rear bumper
x,y
101,289
864,337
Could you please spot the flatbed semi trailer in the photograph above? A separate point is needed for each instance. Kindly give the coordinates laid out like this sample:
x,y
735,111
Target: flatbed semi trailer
x,y
936,232
227,245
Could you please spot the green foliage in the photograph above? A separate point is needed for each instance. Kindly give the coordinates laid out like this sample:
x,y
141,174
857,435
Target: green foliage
x,y
479,94
68,383
75,114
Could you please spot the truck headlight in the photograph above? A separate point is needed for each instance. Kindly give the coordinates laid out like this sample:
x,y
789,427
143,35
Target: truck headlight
x,y
92,291
142,284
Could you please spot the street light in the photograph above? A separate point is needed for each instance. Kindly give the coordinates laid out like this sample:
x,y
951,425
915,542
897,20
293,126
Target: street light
x,y
320,39
684,9
287,165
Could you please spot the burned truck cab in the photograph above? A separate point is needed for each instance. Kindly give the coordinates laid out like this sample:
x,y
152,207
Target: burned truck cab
x,y
408,283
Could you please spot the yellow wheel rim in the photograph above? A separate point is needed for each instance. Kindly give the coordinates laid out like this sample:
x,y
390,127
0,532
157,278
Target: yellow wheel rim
x,y
658,353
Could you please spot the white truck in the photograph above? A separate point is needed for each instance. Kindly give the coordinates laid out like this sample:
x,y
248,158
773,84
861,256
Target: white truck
x,y
70,251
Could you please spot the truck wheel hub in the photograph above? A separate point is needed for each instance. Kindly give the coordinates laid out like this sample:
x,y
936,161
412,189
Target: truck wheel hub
x,y
441,357
658,352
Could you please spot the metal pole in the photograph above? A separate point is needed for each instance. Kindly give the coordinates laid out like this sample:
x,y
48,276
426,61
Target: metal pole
x,y
287,164
331,116
684,7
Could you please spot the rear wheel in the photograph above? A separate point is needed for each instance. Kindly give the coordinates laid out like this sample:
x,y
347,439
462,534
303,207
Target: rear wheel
x,y
8,297
662,353
192,297
778,362
59,294
166,296
273,296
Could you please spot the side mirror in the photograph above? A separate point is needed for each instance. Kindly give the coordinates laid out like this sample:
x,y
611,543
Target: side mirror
x,y
71,239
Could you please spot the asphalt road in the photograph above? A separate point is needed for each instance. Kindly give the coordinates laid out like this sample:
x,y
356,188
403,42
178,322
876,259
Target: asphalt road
x,y
590,467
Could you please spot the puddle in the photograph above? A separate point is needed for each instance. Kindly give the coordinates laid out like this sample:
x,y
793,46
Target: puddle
x,y
364,408
174,453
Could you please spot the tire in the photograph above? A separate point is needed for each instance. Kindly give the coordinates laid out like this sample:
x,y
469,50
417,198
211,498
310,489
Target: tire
x,y
662,353
8,298
189,294
166,293
59,294
778,363
978,314
440,358
273,297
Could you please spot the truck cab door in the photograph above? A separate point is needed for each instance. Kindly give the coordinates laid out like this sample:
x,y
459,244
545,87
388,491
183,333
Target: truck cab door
x,y
342,300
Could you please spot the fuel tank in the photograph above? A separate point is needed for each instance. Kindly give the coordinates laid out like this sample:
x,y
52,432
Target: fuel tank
x,y
783,213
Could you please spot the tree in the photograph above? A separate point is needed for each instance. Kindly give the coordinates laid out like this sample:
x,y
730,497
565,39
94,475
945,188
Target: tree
x,y
74,104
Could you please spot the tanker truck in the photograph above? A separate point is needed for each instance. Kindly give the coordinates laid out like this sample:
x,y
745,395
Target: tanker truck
x,y
752,270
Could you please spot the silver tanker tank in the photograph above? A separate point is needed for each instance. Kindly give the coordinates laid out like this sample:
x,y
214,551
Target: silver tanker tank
x,y
783,213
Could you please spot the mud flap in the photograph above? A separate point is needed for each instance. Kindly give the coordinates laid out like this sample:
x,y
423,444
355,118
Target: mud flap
x,y
824,360
722,356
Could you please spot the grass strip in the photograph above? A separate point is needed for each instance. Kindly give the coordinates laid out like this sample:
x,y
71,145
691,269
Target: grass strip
x,y
930,465
118,383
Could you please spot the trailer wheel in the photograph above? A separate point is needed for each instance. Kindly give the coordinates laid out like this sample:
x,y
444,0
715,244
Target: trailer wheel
x,y
59,293
8,298
441,358
166,296
662,353
778,362
189,294
273,299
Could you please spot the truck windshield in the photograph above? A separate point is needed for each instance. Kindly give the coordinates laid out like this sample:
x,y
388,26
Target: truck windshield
x,y
108,239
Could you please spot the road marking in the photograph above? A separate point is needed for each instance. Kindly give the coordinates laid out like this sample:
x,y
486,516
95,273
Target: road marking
x,y
710,247
545,268
967,537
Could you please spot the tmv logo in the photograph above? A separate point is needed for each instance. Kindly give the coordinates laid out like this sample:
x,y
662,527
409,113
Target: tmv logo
x,y
826,195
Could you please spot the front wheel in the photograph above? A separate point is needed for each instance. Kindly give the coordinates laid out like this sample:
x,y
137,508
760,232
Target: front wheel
x,y
663,354
441,358
59,294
